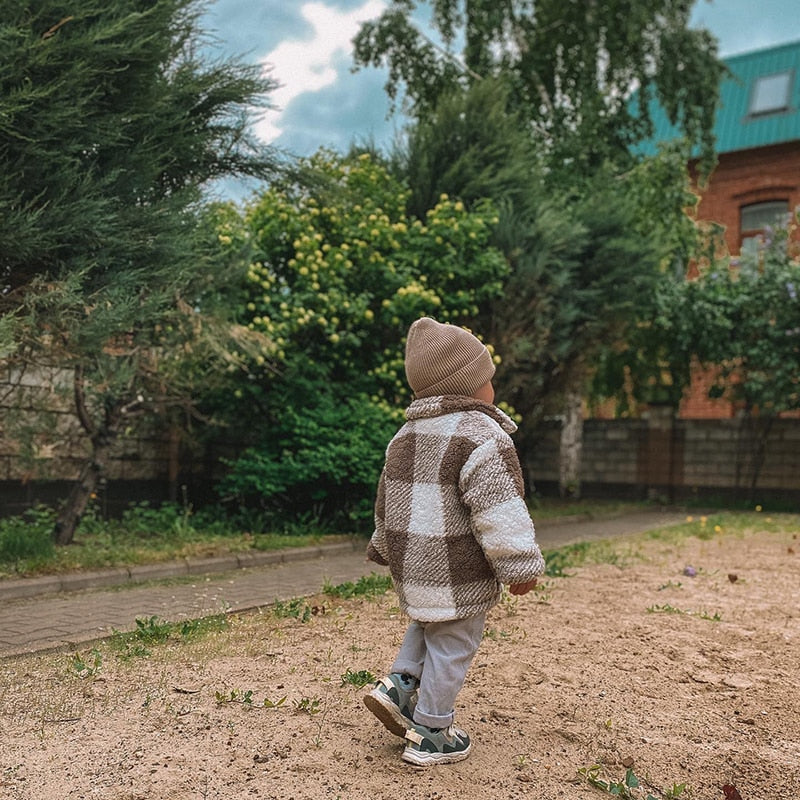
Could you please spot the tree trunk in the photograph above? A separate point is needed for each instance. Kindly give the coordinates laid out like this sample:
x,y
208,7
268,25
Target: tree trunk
x,y
751,450
101,437
571,445
85,487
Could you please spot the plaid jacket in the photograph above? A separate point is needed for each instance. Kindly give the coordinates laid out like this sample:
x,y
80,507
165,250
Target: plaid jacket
x,y
450,516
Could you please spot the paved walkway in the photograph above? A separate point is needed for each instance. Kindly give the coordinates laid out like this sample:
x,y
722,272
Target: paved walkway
x,y
46,613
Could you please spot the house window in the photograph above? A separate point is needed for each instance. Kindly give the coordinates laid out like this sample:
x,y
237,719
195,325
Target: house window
x,y
757,216
770,93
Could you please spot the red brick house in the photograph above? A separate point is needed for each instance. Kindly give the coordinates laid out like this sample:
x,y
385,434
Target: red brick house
x,y
757,130
757,178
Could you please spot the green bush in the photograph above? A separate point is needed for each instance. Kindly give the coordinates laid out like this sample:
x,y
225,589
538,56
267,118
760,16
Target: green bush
x,y
27,536
321,462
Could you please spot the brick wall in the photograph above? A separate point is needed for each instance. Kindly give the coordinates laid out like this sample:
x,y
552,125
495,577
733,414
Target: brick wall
x,y
750,176
739,179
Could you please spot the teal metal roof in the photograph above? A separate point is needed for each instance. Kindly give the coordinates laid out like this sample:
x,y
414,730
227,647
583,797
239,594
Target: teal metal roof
x,y
736,126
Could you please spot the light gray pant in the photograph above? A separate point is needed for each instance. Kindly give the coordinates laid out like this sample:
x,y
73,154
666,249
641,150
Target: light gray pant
x,y
439,655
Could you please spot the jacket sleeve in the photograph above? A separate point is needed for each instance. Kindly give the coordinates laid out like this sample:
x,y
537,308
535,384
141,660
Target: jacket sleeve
x,y
493,490
376,549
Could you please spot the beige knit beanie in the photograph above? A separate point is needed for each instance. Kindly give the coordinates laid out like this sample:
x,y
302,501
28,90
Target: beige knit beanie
x,y
445,359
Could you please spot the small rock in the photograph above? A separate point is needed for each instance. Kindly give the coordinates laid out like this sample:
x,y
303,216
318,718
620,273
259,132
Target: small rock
x,y
689,572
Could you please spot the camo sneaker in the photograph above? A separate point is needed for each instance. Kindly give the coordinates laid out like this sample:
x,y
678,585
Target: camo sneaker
x,y
393,700
427,746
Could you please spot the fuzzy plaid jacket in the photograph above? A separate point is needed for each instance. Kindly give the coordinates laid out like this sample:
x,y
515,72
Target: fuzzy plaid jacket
x,y
450,516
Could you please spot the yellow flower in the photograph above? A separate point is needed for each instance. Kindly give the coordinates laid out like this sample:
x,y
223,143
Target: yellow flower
x,y
758,508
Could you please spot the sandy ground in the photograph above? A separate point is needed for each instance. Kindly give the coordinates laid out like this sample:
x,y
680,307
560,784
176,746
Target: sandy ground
x,y
683,680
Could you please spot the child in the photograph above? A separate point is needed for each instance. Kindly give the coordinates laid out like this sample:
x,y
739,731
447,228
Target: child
x,y
452,524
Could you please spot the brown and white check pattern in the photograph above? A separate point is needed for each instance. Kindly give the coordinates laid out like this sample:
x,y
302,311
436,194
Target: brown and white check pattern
x,y
450,516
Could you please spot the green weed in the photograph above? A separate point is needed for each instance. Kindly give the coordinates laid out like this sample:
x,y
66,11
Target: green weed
x,y
27,538
630,787
666,608
308,705
358,679
246,699
295,608
235,696
153,631
87,667
371,585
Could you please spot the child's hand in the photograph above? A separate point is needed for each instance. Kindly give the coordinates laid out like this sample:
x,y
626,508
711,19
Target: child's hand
x,y
522,588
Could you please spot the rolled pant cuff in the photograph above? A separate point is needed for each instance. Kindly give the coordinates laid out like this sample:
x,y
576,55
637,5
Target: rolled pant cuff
x,y
432,720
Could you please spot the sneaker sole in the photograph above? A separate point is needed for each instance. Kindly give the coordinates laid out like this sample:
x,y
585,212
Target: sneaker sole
x,y
425,759
387,712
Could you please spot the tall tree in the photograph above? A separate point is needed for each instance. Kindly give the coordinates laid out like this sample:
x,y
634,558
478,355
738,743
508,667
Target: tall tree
x,y
112,122
569,70
571,65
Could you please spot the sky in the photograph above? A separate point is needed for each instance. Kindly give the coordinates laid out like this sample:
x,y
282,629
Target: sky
x,y
306,46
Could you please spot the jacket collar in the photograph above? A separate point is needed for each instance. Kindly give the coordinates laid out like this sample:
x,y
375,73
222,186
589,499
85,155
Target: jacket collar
x,y
427,407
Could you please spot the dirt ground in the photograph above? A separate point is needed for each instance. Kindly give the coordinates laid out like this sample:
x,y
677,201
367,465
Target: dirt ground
x,y
635,665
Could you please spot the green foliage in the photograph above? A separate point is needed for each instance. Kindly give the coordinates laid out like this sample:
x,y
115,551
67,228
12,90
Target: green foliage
x,y
581,276
28,536
337,272
473,145
308,705
296,608
142,519
667,608
746,322
570,66
563,558
371,585
739,318
629,788
319,454
152,631
87,667
358,679
111,127
235,696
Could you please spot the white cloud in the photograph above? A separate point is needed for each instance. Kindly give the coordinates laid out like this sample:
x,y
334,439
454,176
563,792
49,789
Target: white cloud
x,y
308,65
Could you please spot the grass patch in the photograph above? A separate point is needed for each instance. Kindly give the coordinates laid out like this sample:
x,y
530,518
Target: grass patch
x,y
153,631
147,535
143,535
561,560
706,527
621,552
371,585
556,508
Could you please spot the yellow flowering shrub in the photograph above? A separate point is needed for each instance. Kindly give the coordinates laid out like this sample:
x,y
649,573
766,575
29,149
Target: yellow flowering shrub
x,y
339,273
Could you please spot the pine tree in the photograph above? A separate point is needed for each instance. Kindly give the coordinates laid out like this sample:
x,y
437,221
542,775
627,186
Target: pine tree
x,y
113,120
